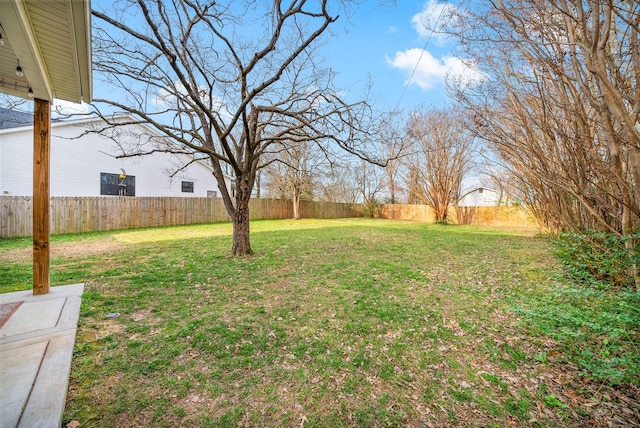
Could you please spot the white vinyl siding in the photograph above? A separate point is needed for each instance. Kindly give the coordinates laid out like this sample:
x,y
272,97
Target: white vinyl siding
x,y
480,197
16,163
76,164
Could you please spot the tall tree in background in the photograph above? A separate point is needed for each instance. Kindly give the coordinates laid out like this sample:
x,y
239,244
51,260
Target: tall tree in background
x,y
293,172
395,138
561,106
443,153
339,185
370,180
226,80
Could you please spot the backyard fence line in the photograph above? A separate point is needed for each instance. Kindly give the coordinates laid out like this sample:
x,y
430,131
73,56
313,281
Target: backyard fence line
x,y
92,214
515,216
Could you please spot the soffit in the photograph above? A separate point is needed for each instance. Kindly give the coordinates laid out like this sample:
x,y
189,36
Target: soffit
x,y
51,41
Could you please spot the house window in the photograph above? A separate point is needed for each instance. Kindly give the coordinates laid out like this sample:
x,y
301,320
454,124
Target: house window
x,y
212,194
480,190
187,186
117,184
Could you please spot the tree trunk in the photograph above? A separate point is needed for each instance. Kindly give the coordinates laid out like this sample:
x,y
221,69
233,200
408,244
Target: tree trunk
x,y
392,184
296,205
443,215
241,237
258,182
630,246
440,211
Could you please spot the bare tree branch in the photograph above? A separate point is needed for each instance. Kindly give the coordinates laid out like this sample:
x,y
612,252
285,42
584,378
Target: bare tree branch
x,y
229,80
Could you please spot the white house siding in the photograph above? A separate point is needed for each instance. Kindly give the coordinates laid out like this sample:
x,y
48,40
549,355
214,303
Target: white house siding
x,y
16,167
76,164
480,197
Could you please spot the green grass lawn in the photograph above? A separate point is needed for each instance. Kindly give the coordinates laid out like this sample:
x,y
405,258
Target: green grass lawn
x,y
337,323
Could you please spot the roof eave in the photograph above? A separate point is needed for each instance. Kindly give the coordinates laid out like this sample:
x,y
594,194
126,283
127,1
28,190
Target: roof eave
x,y
81,11
24,35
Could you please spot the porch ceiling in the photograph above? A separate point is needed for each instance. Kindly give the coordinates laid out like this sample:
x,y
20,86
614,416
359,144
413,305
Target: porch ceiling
x,y
51,42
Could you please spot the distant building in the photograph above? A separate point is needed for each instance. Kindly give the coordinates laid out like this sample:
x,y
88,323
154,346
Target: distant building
x,y
85,164
481,197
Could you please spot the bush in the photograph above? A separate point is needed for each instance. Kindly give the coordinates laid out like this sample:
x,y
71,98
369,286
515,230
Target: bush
x,y
371,208
598,328
595,329
598,259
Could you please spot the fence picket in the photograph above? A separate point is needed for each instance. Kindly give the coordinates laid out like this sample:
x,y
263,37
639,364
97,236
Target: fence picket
x,y
87,214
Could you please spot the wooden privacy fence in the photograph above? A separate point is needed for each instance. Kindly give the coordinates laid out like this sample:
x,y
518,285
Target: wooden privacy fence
x,y
90,214
487,216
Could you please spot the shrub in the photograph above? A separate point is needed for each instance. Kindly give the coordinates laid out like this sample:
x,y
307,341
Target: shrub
x,y
598,259
371,207
595,329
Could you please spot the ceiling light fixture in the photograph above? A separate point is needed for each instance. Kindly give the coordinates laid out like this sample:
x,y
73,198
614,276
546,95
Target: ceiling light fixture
x,y
19,71
1,40
30,93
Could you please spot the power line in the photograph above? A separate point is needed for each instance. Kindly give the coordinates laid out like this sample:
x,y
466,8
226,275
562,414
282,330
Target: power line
x,y
424,49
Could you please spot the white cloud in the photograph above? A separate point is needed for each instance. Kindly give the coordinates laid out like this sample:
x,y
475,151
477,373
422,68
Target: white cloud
x,y
431,71
434,18
428,72
462,72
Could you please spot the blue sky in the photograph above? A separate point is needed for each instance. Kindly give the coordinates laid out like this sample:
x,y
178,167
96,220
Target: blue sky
x,y
386,44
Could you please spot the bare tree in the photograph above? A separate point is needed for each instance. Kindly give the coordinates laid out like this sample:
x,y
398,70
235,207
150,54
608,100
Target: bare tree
x,y
294,171
395,138
339,184
370,182
561,106
444,149
410,179
227,80
496,176
18,111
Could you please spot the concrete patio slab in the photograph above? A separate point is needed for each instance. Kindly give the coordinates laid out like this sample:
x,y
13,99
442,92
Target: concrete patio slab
x,y
36,346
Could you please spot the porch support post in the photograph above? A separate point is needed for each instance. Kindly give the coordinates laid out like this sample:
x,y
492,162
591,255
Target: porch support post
x,y
41,168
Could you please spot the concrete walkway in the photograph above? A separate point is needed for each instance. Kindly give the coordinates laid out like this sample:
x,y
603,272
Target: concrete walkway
x,y
36,345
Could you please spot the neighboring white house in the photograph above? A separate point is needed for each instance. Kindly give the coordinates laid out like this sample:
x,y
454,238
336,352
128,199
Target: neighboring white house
x,y
85,164
481,197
